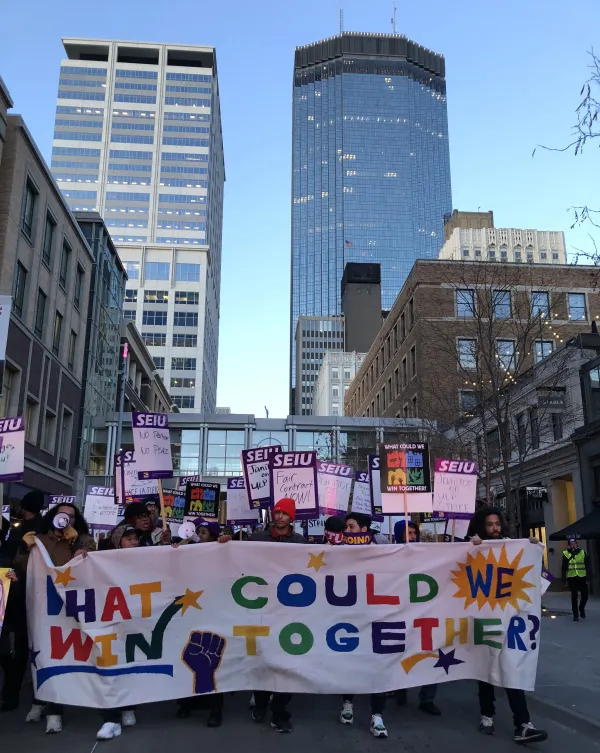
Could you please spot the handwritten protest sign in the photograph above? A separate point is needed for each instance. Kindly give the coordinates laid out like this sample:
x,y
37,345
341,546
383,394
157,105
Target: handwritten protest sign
x,y
152,445
455,488
100,509
255,463
334,483
4,589
361,496
224,617
294,475
128,484
202,500
12,449
238,505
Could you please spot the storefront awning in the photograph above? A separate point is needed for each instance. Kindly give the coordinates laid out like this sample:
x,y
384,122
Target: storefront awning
x,y
587,527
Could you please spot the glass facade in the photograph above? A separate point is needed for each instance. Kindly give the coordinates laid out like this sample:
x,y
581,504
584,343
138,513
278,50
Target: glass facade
x,y
371,165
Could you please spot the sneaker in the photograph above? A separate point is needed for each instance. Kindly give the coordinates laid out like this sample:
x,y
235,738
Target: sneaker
x,y
429,707
251,702
281,725
108,730
575,618
582,612
128,718
53,723
377,728
215,718
347,715
258,714
35,713
527,733
486,725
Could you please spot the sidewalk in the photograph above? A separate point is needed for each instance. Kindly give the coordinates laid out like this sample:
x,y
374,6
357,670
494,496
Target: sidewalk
x,y
568,676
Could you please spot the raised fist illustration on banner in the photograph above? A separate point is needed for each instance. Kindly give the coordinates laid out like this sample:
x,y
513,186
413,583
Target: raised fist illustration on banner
x,y
203,655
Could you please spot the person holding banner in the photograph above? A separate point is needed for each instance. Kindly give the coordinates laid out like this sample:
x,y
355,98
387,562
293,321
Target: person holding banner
x,y
488,525
359,522
65,535
139,516
334,530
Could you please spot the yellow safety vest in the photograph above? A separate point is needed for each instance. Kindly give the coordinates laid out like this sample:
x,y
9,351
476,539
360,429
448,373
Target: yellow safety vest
x,y
576,568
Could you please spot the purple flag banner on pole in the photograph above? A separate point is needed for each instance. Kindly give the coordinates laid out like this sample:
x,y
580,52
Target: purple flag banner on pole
x,y
294,475
12,449
255,463
152,445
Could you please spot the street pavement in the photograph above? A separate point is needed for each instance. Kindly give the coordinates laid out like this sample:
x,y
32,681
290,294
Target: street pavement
x,y
566,703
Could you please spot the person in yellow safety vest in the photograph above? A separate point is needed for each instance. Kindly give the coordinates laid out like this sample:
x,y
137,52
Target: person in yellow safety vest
x,y
575,570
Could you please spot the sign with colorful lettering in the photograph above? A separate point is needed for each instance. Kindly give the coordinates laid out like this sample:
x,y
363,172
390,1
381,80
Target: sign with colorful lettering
x,y
455,488
128,484
202,500
239,512
334,483
12,449
361,494
152,444
294,475
405,478
174,502
124,628
255,463
100,509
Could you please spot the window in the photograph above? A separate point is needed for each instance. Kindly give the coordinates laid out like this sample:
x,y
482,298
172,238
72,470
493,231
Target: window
x,y
187,272
465,303
156,296
402,326
157,318
505,350
577,306
183,364
9,399
557,426
335,374
79,280
154,339
32,413
347,374
534,422
184,401
543,255
64,264
19,289
543,348
335,392
467,400
467,353
503,253
404,372
133,269
190,383
157,270
540,303
554,256
185,341
493,444
478,252
411,314
28,216
335,409
72,349
57,336
413,361
49,432
129,315
185,297
66,433
398,386
131,296
522,433
185,319
491,252
159,362
465,253
40,313
413,407
49,229
501,304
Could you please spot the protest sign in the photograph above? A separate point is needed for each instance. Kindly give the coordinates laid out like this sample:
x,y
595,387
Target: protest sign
x,y
174,502
12,449
183,481
128,484
61,499
202,500
255,463
375,484
316,529
100,509
152,444
457,528
5,307
4,589
405,481
547,579
238,505
171,623
294,475
6,512
334,483
361,495
455,488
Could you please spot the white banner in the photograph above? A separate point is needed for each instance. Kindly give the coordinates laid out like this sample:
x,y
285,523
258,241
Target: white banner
x,y
141,625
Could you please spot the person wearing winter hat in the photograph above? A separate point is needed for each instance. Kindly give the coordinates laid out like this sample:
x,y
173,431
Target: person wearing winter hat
x,y
207,530
282,528
334,530
414,534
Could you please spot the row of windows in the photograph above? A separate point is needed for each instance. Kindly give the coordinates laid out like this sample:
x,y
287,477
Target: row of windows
x,y
75,194
203,117
188,89
187,102
140,99
505,352
127,196
180,225
159,340
74,110
125,154
179,241
126,223
517,252
74,151
183,182
77,136
184,141
162,296
183,170
66,94
126,138
183,156
174,198
75,70
78,123
134,85
199,77
159,270
183,213
128,167
133,114
502,304
134,126
189,382
184,401
124,73
70,178
180,318
186,129
79,82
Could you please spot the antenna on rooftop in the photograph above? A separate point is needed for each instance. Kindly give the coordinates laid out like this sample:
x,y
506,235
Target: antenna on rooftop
x,y
341,18
394,28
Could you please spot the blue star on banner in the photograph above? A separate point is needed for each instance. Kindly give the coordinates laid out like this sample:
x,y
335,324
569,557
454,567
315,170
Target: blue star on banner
x,y
33,655
445,661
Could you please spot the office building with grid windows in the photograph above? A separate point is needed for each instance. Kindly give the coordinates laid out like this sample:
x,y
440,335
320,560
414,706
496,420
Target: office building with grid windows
x,y
370,166
137,137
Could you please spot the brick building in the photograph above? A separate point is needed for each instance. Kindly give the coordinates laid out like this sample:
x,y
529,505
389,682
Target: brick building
x,y
457,327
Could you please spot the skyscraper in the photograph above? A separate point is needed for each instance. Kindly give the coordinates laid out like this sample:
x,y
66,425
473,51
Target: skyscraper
x,y
152,165
370,167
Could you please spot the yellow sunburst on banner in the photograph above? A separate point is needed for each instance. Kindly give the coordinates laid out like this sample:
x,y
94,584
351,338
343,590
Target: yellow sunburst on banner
x,y
483,579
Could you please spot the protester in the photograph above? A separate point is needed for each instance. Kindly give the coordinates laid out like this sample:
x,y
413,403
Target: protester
x,y
488,525
428,692
359,522
123,536
334,530
575,569
62,545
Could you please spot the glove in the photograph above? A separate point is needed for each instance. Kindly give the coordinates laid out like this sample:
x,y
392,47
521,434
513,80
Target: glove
x,y
533,540
29,539
70,534
476,540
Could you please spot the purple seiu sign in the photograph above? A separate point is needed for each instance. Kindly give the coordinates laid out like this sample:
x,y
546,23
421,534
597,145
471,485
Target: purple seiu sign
x,y
455,488
61,499
255,463
375,484
294,475
12,449
334,483
239,511
152,445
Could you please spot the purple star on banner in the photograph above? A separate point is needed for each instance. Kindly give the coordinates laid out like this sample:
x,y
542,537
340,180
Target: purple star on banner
x,y
33,655
447,660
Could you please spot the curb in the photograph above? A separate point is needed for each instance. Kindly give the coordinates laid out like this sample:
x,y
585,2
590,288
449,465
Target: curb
x,y
569,718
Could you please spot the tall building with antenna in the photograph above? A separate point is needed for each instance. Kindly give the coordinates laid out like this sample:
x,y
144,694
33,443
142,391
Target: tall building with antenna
x,y
370,172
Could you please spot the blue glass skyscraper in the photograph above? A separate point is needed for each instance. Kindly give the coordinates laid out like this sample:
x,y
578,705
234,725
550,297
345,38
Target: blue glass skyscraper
x,y
370,170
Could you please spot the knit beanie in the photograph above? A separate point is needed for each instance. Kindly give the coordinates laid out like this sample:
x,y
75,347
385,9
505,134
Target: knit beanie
x,y
400,531
211,525
288,506
32,502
